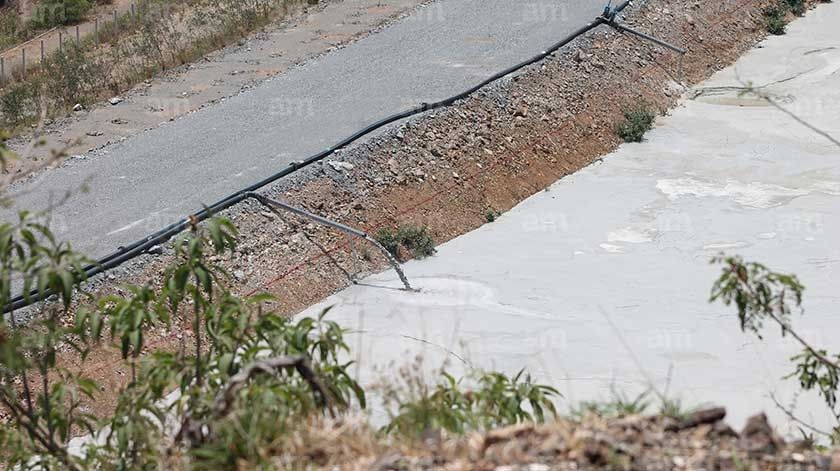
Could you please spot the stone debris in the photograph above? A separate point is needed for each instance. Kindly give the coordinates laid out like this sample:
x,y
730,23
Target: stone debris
x,y
592,442
340,166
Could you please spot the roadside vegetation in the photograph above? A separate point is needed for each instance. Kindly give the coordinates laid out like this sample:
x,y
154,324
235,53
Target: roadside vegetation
x,y
161,35
245,384
246,387
407,240
762,296
240,380
638,120
776,15
46,14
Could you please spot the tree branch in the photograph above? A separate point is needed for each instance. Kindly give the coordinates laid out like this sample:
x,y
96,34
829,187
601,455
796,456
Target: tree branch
x,y
223,404
224,401
796,419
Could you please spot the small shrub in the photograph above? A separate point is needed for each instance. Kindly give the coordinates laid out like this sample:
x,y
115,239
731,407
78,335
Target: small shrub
x,y
50,13
675,409
495,400
637,121
9,29
72,76
416,240
775,19
19,104
491,216
388,239
619,405
796,6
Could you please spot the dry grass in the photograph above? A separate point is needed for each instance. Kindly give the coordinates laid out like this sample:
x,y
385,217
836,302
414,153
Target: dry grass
x,y
164,34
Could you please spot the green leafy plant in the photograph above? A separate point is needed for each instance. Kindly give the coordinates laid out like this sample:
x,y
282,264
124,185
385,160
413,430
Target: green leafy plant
x,y
50,13
774,17
761,295
42,398
19,104
72,76
414,239
798,7
242,381
619,405
637,121
493,400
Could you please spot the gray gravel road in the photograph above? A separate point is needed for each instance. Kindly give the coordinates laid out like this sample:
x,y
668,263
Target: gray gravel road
x,y
146,182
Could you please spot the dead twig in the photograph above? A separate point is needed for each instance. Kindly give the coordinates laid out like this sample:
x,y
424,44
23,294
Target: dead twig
x,y
789,413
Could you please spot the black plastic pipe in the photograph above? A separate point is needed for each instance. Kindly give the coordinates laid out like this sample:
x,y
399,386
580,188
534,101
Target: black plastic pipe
x,y
134,250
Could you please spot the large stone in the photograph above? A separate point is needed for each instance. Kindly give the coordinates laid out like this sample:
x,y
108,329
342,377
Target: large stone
x,y
758,437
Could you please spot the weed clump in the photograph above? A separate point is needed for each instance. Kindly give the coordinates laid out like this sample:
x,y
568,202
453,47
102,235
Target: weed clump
x,y
637,121
73,76
485,400
797,7
416,240
50,13
774,15
775,19
19,105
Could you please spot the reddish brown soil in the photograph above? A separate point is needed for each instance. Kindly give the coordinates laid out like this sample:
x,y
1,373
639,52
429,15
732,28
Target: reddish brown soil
x,y
490,152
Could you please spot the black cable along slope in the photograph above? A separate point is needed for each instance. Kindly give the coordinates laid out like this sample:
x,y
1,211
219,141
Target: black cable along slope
x,y
124,254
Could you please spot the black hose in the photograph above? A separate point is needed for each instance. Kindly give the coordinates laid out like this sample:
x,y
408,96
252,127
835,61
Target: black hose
x,y
126,253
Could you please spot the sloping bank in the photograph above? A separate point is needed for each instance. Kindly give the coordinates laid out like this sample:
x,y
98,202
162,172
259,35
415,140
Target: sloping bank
x,y
446,171
603,280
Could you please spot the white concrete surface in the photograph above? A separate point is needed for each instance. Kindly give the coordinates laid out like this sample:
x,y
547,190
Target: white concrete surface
x,y
630,240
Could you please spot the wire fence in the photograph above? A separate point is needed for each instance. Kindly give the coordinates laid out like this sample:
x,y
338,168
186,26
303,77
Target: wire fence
x,y
19,61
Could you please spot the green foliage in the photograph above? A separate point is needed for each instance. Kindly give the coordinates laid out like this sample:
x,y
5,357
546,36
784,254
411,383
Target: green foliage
x,y
10,33
818,370
72,76
229,334
619,405
50,13
796,6
761,295
637,121
19,104
416,240
491,215
758,293
494,400
43,418
675,408
774,17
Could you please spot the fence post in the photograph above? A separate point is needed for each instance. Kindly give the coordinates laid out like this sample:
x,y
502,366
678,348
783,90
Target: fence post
x,y
133,16
23,59
115,21
60,41
3,69
96,30
43,54
77,34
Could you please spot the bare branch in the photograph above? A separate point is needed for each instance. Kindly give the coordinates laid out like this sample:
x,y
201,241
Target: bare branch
x,y
196,431
796,419
224,401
